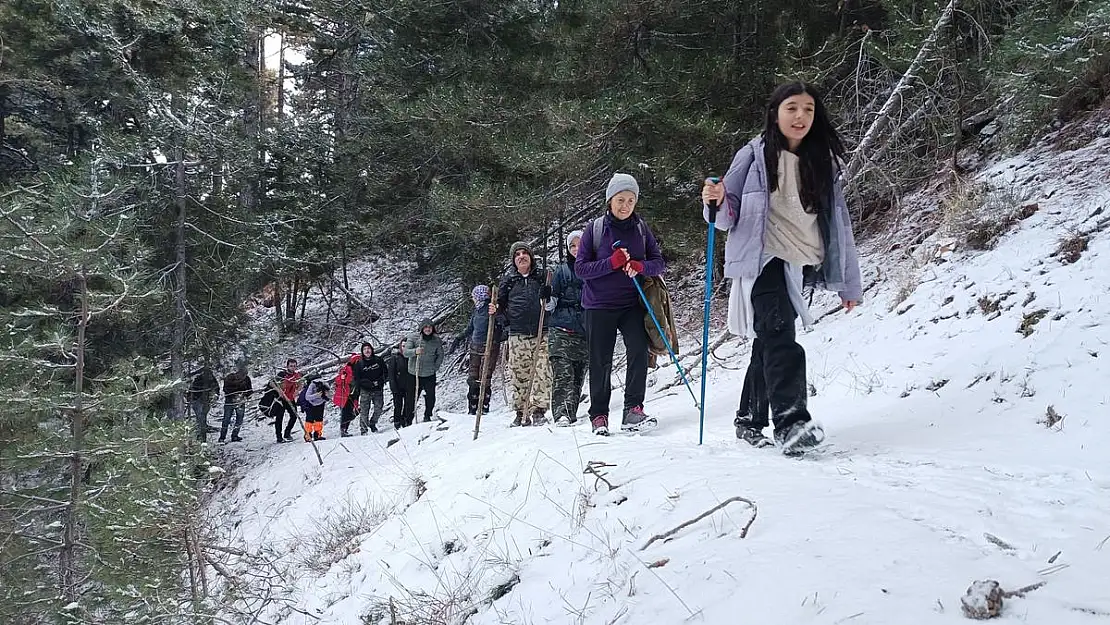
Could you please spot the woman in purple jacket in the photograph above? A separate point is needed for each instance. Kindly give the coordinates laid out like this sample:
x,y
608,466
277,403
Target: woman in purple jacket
x,y
614,249
783,208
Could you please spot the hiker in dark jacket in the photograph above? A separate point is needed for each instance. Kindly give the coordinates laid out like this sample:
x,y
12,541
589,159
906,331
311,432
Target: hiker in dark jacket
x,y
520,297
566,338
200,395
425,353
272,406
783,207
371,374
400,386
237,390
475,337
614,249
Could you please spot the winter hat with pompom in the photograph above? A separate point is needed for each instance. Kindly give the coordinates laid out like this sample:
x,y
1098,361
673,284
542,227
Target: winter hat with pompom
x,y
480,293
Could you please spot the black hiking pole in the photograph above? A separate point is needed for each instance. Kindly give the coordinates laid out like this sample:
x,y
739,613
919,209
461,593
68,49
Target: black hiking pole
x,y
710,240
483,385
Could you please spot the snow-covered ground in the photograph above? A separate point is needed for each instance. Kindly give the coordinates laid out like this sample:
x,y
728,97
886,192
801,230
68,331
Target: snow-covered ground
x,y
939,471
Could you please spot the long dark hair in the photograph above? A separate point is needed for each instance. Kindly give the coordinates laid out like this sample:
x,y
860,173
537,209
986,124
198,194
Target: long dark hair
x,y
818,155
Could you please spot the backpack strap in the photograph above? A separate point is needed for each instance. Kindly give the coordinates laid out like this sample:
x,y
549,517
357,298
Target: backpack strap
x,y
597,224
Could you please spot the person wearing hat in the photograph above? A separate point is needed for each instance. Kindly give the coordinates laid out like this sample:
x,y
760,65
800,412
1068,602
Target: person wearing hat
x,y
613,251
425,354
370,375
566,339
237,390
475,336
520,296
401,385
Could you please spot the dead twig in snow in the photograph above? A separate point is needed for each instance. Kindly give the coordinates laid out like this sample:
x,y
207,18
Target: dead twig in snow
x,y
743,531
998,542
592,469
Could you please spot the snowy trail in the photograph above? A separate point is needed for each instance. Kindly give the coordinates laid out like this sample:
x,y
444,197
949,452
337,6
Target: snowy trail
x,y
933,404
862,533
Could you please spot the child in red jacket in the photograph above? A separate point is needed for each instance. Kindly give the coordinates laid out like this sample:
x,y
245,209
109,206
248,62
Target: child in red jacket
x,y
346,395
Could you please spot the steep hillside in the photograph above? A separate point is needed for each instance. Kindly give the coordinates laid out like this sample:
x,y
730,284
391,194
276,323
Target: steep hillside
x,y
966,406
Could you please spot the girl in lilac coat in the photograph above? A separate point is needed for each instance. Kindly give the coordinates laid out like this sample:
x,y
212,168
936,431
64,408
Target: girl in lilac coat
x,y
783,207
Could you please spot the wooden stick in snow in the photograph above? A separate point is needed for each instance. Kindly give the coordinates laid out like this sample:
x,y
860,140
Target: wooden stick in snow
x,y
743,531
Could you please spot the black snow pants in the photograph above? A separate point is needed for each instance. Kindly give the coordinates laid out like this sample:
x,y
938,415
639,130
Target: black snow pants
x,y
776,376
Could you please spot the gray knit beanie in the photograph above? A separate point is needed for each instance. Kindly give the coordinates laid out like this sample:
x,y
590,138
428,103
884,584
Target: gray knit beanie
x,y
577,234
621,182
520,245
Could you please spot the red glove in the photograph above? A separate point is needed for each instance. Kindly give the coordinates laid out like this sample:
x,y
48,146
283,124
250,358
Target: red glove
x,y
618,259
636,266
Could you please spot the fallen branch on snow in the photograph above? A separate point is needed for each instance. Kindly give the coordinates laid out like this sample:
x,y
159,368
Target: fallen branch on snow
x,y
743,531
592,469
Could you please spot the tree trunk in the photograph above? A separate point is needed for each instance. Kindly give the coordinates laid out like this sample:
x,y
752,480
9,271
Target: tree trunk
x,y
278,307
894,102
68,572
252,124
281,78
304,298
343,261
177,351
291,301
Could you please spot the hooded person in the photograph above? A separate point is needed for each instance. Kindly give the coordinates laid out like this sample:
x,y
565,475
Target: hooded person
x,y
475,337
370,377
237,389
520,297
425,353
568,347
400,383
346,394
315,400
613,251
201,392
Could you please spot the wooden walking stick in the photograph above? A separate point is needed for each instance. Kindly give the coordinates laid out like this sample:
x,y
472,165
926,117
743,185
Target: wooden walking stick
x,y
483,385
416,383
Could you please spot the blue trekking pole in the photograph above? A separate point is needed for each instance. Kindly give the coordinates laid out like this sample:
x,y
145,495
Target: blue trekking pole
x,y
663,335
710,240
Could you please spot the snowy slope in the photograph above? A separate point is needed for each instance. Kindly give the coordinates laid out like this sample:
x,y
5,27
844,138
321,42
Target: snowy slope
x,y
932,406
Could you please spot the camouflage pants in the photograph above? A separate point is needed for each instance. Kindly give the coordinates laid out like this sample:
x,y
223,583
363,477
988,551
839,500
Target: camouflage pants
x,y
521,368
570,357
474,377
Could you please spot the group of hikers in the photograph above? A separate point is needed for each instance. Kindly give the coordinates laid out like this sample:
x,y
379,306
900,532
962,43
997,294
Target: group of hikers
x,y
781,203
359,390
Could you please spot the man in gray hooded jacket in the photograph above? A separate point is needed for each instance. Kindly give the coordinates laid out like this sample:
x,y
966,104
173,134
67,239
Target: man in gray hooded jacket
x,y
424,351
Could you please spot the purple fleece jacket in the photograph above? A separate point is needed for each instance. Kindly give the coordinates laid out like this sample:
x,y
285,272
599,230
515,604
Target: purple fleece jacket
x,y
603,287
